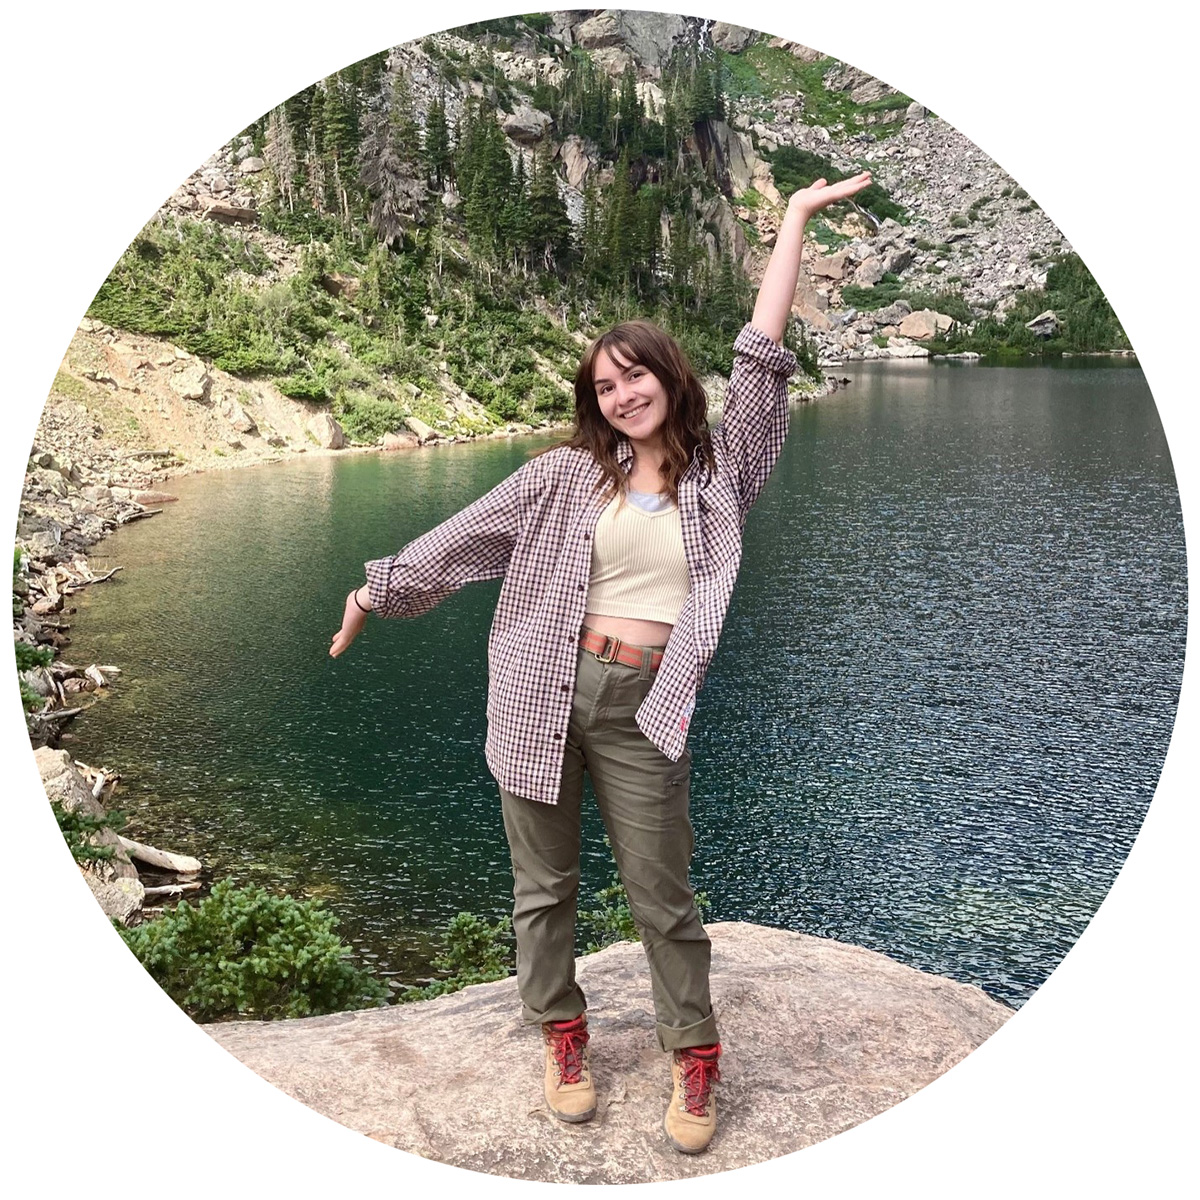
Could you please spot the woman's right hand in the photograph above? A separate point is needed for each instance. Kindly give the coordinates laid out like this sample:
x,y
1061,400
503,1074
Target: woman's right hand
x,y
353,620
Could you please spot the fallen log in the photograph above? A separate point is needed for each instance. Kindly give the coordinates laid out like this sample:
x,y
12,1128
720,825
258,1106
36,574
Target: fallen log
x,y
60,714
178,864
147,454
137,516
171,889
98,786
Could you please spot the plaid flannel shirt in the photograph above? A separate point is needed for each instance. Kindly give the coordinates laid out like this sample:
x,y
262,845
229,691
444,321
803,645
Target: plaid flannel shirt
x,y
535,529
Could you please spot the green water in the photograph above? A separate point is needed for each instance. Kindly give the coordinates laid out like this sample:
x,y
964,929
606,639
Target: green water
x,y
938,713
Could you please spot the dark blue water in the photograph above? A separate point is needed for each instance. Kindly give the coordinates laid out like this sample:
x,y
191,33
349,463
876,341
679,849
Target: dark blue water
x,y
933,726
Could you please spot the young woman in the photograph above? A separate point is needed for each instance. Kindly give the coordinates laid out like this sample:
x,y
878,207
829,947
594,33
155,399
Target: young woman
x,y
619,551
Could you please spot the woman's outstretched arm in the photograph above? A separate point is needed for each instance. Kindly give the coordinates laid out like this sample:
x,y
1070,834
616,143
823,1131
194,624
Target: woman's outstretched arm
x,y
778,287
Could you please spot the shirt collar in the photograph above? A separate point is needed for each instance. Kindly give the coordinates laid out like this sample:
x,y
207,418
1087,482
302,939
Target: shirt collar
x,y
625,458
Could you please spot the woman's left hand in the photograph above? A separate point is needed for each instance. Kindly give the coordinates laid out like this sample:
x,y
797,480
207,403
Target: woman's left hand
x,y
820,194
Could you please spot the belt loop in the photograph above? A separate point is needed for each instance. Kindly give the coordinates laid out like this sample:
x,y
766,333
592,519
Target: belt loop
x,y
647,658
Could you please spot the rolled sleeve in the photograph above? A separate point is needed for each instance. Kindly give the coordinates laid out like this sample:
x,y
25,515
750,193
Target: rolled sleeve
x,y
754,422
756,345
474,544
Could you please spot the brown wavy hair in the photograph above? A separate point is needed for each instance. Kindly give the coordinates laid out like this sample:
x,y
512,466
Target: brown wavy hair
x,y
644,344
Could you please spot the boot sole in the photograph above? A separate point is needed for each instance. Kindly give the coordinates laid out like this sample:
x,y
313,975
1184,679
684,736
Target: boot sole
x,y
575,1118
680,1147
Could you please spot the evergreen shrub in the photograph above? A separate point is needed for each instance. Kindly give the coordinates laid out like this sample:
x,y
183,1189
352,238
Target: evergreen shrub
x,y
243,952
474,950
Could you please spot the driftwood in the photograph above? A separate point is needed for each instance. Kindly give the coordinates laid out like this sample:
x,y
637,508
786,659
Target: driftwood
x,y
81,584
60,714
98,787
147,454
179,864
171,889
137,516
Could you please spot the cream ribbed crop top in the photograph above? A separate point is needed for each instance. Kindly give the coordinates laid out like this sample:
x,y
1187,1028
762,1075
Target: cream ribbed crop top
x,y
638,565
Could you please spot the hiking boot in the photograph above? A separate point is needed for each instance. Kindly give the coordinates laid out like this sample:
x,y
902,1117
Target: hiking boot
x,y
691,1118
569,1090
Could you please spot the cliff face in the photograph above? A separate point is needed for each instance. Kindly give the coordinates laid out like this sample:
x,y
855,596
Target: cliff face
x,y
817,1037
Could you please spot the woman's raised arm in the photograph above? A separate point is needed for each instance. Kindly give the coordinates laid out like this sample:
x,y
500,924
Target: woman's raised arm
x,y
778,287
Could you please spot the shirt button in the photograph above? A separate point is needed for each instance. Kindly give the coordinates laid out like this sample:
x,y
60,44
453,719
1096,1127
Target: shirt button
x,y
558,737
566,687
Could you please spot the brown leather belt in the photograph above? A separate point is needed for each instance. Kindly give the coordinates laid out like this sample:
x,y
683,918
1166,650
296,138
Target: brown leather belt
x,y
611,649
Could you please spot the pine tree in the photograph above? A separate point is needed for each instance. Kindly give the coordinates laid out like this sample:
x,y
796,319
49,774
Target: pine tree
x,y
549,225
591,233
337,143
620,220
515,218
439,161
390,165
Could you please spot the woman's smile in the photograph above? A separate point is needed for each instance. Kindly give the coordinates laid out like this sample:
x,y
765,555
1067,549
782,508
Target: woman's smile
x,y
631,398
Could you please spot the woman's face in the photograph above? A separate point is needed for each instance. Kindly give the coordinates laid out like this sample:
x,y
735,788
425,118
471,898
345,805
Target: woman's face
x,y
631,399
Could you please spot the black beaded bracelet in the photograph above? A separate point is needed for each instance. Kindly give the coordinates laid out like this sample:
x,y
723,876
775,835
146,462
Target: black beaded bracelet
x,y
356,601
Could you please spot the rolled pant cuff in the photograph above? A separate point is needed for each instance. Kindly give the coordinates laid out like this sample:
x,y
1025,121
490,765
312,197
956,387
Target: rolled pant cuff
x,y
703,1033
567,1009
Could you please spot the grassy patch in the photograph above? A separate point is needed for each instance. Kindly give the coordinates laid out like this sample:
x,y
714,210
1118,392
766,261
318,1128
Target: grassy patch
x,y
69,387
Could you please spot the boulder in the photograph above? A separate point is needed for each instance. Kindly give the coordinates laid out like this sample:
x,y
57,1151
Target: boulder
x,y
120,898
231,214
1045,324
191,382
526,124
870,272
251,166
730,38
337,284
832,1034
902,348
832,266
329,434
425,433
400,441
238,418
925,323
66,787
795,49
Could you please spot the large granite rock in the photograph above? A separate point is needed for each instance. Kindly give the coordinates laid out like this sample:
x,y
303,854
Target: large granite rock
x,y
114,882
925,323
66,787
731,38
818,1036
329,434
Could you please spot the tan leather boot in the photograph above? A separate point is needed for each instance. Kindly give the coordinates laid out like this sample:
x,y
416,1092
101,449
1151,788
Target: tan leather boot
x,y
691,1118
569,1089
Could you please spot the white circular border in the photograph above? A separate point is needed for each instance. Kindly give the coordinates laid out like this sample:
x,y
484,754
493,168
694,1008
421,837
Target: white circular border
x,y
109,108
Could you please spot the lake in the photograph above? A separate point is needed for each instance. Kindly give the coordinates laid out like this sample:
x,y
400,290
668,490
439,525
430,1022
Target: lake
x,y
936,718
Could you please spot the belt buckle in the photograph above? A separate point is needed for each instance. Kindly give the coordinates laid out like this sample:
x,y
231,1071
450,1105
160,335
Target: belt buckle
x,y
616,646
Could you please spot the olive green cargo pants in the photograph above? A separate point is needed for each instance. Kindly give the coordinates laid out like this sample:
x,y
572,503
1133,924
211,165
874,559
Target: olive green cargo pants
x,y
643,798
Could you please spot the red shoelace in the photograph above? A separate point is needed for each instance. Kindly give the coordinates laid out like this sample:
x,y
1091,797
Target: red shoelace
x,y
698,1074
567,1040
